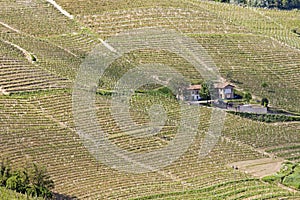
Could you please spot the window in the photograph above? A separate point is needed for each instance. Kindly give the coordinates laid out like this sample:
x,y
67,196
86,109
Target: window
x,y
227,91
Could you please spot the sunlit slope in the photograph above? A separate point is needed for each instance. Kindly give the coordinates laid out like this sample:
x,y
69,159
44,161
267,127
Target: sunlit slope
x,y
19,73
38,18
256,45
36,130
41,49
186,16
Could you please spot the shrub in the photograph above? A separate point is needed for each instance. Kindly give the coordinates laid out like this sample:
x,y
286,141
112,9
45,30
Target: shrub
x,y
266,117
270,179
247,96
33,180
288,175
4,172
264,85
18,181
265,102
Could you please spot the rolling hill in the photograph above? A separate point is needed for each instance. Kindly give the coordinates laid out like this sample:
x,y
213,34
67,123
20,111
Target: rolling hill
x,y
42,49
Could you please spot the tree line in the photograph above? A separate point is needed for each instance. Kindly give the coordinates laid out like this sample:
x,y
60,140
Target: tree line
x,y
280,4
33,180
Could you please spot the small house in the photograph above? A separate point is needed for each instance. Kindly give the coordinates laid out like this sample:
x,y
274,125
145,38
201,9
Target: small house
x,y
194,92
225,90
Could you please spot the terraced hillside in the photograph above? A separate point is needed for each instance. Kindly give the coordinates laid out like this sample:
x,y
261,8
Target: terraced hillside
x,y
41,52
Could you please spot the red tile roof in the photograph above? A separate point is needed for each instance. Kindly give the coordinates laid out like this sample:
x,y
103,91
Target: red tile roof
x,y
223,85
194,87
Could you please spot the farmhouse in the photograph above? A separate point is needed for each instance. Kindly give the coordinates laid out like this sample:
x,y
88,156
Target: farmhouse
x,y
193,92
225,90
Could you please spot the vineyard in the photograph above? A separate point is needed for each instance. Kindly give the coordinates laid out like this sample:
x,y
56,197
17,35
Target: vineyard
x,y
42,50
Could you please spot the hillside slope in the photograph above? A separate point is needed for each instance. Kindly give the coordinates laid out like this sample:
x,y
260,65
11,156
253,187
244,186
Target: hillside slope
x,y
41,52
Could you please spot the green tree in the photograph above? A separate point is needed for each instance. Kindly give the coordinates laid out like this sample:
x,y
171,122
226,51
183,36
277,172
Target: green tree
x,y
204,91
18,181
31,190
33,180
265,102
40,182
247,97
5,172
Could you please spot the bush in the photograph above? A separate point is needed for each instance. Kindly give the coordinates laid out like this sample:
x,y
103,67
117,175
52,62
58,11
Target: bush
x,y
270,179
265,102
104,92
269,118
288,175
4,172
247,97
166,91
33,180
292,180
281,4
18,182
264,84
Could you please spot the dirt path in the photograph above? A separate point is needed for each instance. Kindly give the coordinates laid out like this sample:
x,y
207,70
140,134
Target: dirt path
x,y
24,51
260,167
58,7
9,27
18,31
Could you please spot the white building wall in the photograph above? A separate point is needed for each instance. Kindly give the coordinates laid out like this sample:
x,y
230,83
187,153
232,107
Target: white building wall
x,y
250,109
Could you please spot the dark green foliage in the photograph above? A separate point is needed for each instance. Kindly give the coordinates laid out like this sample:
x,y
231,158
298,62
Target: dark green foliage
x,y
264,85
33,58
4,172
265,102
32,180
104,92
166,91
281,4
239,94
247,97
269,118
18,181
223,1
40,177
157,91
204,91
296,31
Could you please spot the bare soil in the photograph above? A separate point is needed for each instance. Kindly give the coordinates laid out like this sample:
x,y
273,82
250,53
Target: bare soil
x,y
259,167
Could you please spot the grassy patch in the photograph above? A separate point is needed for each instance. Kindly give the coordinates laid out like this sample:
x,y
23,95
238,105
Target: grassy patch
x,y
12,195
289,175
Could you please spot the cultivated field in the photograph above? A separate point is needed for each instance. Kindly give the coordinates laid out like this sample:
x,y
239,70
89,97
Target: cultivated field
x,y
40,54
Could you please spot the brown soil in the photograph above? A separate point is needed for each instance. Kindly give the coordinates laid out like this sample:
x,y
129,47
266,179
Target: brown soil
x,y
259,167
